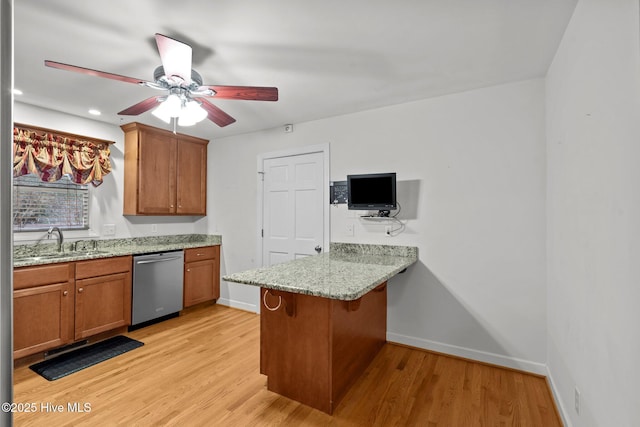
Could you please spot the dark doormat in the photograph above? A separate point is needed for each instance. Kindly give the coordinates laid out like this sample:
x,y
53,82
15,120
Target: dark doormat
x,y
76,360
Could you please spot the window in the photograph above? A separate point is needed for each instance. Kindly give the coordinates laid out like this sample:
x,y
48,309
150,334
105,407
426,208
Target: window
x,y
38,205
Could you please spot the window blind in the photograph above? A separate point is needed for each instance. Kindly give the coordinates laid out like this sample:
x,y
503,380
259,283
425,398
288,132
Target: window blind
x,y
38,205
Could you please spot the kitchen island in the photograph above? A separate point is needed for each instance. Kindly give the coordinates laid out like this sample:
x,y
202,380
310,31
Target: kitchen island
x,y
324,318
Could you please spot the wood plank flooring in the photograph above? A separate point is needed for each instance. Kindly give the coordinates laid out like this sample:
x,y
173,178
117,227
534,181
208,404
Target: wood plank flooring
x,y
202,369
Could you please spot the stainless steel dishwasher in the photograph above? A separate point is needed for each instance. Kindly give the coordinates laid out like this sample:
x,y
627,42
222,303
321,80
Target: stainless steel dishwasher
x,y
157,286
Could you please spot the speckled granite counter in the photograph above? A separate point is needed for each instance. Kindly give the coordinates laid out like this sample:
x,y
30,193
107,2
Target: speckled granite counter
x,y
346,272
26,255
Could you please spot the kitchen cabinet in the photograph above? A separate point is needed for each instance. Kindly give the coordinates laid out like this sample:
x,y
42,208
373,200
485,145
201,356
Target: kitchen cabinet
x,y
42,308
103,295
56,304
164,173
328,343
201,275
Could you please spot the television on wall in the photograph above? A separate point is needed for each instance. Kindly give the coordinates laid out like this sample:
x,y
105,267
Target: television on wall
x,y
374,191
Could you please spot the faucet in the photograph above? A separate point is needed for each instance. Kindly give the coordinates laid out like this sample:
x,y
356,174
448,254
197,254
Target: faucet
x,y
60,236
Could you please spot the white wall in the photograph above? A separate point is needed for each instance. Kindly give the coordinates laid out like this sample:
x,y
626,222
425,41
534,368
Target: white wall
x,y
471,172
593,146
107,199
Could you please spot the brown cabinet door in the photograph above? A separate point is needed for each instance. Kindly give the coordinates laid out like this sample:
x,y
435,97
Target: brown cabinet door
x,y
198,282
156,174
164,173
191,178
42,318
201,275
102,303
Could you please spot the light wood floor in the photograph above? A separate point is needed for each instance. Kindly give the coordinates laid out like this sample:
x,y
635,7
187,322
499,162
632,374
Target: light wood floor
x,y
201,369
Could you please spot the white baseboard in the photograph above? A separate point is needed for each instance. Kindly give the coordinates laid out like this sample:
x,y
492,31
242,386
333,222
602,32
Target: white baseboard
x,y
238,304
468,353
559,403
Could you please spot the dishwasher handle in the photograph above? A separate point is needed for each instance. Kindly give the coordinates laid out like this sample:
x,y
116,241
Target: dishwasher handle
x,y
152,261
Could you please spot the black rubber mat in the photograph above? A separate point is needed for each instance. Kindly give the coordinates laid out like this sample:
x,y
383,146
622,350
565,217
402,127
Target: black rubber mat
x,y
76,360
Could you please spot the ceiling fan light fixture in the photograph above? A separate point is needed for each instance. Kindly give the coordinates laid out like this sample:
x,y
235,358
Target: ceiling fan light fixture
x,y
162,113
169,108
188,111
173,104
185,121
193,112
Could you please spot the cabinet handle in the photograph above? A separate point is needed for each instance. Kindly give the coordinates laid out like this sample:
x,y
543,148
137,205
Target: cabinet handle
x,y
188,269
199,254
65,293
80,290
179,206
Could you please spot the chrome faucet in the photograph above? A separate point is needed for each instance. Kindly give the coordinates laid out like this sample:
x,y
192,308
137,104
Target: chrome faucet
x,y
60,236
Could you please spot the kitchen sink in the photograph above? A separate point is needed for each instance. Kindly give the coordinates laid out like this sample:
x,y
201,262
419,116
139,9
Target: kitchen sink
x,y
62,255
39,257
90,253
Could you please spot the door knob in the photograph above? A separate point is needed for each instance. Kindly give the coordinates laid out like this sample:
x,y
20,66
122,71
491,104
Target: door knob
x,y
318,249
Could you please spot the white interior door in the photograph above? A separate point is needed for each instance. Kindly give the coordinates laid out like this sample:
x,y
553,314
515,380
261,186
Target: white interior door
x,y
293,207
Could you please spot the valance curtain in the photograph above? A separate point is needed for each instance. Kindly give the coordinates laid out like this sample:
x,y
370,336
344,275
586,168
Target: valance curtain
x,y
51,154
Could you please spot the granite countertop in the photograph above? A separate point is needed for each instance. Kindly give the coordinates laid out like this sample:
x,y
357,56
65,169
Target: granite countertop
x,y
27,255
346,272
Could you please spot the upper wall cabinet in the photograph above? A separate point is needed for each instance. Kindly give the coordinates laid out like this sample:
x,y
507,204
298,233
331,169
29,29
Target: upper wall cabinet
x,y
164,173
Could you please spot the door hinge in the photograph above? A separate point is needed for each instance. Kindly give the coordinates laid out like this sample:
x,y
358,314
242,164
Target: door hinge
x,y
261,173
262,233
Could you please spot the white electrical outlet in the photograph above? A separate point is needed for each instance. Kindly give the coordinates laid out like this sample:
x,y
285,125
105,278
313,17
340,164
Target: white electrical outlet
x,y
154,228
348,230
387,230
108,229
576,398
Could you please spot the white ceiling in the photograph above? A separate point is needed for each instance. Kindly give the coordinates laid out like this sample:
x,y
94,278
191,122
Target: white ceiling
x,y
327,57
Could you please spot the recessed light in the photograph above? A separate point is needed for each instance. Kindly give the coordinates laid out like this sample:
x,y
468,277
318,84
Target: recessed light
x,y
17,92
94,112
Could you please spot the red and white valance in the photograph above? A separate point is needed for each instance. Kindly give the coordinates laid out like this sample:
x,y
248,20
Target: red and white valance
x,y
51,154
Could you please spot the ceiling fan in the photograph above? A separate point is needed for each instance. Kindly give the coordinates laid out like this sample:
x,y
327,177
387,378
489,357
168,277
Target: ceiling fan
x,y
185,100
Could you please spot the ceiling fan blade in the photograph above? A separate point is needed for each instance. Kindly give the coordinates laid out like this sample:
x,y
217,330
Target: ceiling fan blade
x,y
141,107
91,72
216,115
251,93
175,57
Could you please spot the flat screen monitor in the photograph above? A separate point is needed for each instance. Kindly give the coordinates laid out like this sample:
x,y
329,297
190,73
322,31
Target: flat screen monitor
x,y
372,191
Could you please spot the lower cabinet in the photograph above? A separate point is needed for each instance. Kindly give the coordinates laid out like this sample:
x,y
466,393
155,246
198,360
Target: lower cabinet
x,y
56,304
103,295
42,308
201,275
